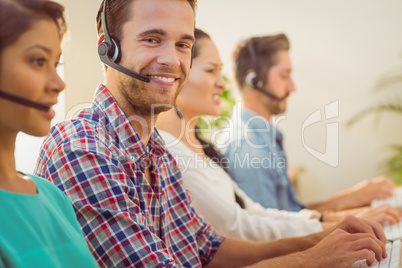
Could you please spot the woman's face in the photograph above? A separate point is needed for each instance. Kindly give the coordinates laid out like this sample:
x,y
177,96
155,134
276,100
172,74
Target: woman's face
x,y
28,69
203,89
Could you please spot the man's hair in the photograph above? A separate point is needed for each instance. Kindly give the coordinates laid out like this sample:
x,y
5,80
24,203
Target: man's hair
x,y
118,13
18,16
265,50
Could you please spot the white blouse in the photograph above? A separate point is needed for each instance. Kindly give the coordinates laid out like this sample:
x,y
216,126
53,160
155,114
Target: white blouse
x,y
213,196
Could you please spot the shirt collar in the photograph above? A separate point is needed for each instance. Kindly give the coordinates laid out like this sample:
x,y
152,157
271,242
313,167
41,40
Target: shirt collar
x,y
118,126
246,115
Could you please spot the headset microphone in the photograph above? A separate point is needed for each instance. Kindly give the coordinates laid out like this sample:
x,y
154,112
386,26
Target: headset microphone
x,y
109,51
252,80
24,101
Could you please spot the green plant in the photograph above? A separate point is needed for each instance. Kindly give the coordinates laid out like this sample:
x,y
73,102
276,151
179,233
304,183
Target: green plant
x,y
393,165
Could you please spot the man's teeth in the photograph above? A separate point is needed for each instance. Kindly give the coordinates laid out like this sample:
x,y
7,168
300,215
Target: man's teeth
x,y
164,79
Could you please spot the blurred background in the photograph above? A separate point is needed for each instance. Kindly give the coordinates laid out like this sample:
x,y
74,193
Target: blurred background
x,y
340,49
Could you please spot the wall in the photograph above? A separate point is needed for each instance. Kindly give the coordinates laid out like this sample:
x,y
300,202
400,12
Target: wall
x,y
340,49
81,72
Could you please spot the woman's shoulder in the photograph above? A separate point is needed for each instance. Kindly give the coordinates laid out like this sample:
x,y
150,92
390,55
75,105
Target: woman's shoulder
x,y
174,145
47,188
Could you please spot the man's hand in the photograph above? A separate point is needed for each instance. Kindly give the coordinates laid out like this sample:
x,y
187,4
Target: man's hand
x,y
354,225
341,249
368,190
380,214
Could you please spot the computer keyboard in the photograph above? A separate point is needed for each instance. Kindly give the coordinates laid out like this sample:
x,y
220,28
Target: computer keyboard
x,y
393,234
395,200
392,261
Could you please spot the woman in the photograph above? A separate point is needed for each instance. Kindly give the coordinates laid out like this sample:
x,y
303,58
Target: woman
x,y
214,194
38,227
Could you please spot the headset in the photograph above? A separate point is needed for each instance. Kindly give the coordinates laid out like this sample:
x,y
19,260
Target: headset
x,y
110,53
252,79
23,101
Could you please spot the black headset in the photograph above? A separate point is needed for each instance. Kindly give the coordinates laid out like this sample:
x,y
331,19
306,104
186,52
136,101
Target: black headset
x,y
252,79
110,53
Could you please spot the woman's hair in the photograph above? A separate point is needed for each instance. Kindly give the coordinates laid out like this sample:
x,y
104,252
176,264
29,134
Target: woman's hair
x,y
199,35
18,16
209,148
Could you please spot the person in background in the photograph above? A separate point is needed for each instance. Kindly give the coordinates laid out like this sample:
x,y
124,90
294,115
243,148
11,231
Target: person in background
x,y
263,72
38,226
214,194
126,187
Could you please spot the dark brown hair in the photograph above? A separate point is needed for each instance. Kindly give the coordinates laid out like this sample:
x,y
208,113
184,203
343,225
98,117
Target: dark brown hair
x,y
18,16
118,13
199,35
265,49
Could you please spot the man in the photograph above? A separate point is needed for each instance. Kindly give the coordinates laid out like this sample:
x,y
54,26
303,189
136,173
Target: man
x,y
257,160
126,188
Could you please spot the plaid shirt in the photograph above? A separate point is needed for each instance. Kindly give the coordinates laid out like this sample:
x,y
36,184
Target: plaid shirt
x,y
99,161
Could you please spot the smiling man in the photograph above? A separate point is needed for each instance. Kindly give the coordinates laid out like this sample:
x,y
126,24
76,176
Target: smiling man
x,y
125,187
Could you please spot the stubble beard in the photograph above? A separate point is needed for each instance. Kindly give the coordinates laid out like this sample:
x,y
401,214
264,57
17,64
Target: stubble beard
x,y
141,100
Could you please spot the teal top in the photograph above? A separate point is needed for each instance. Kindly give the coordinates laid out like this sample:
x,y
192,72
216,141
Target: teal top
x,y
41,230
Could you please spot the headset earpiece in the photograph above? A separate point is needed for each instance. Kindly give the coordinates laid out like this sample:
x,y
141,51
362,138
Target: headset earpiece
x,y
249,80
110,53
112,50
115,50
103,47
252,81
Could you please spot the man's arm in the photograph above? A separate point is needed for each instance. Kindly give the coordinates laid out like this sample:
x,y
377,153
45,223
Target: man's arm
x,y
239,253
338,250
357,196
380,214
352,238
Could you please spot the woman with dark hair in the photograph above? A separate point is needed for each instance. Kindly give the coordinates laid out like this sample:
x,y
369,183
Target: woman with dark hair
x,y
38,226
214,194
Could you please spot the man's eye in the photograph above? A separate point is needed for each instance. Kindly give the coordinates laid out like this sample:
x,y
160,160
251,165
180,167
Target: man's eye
x,y
184,45
151,40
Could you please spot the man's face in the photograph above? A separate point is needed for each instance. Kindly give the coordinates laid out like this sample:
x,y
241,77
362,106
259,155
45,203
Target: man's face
x,y
156,42
279,83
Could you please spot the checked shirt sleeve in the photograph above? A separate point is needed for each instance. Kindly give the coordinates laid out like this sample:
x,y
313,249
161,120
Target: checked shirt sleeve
x,y
107,207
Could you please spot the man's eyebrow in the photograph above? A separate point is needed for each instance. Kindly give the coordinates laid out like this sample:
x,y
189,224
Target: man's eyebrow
x,y
163,33
152,31
188,37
